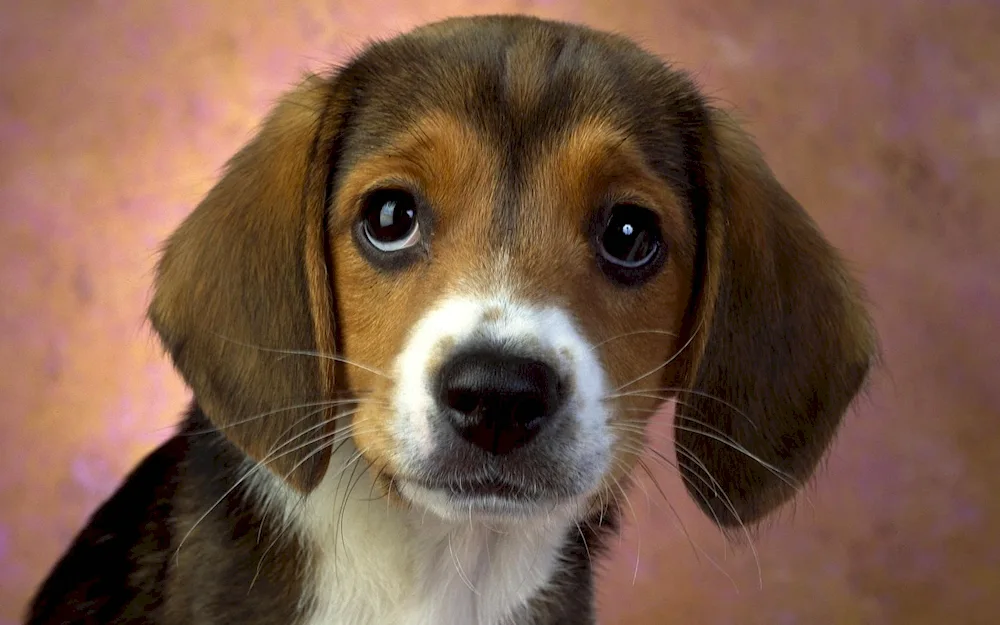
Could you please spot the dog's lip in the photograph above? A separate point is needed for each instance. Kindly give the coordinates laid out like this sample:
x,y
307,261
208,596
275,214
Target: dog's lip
x,y
473,488
492,499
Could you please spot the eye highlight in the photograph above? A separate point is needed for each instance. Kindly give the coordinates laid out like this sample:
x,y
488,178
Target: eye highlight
x,y
389,220
629,244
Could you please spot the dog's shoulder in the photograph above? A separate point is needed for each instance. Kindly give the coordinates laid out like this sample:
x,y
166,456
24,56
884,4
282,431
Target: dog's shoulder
x,y
178,542
115,568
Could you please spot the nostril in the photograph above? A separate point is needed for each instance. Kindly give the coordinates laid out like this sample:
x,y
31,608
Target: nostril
x,y
463,400
529,412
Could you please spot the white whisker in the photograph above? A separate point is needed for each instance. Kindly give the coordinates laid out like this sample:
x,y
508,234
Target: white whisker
x,y
633,333
663,364
268,459
306,352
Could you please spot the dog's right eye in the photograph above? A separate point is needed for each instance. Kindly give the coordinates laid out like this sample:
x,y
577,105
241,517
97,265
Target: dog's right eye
x,y
630,246
390,221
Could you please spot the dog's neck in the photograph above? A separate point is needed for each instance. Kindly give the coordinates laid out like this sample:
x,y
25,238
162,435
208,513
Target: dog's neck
x,y
375,561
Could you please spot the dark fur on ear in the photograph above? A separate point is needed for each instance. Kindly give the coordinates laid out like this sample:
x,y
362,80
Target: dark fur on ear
x,y
782,341
243,284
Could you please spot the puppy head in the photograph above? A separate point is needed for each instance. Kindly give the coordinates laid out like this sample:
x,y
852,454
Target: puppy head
x,y
515,239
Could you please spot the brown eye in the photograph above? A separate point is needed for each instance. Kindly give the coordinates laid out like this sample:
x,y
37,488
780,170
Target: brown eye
x,y
631,237
390,221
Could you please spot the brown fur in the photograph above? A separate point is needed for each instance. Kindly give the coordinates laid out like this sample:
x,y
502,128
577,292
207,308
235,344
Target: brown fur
x,y
244,280
784,342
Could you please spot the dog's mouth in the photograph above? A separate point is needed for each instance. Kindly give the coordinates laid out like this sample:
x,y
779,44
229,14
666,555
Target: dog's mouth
x,y
483,487
491,497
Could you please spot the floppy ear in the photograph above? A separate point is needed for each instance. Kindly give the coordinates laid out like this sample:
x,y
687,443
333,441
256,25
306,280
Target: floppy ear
x,y
782,341
244,281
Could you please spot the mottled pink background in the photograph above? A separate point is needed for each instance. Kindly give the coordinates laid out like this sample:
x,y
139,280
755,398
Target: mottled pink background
x,y
883,117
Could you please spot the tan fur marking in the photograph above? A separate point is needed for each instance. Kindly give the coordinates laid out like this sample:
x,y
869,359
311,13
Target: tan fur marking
x,y
441,351
526,71
492,315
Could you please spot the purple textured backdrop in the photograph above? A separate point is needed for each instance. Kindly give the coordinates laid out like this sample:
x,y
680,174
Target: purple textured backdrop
x,y
882,117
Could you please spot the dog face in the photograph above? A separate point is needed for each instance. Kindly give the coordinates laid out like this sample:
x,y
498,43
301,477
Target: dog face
x,y
485,252
528,262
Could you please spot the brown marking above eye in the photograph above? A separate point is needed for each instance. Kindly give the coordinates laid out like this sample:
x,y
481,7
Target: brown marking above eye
x,y
597,163
580,177
438,156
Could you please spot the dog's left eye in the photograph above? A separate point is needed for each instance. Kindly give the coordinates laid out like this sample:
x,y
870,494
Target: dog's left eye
x,y
631,238
390,220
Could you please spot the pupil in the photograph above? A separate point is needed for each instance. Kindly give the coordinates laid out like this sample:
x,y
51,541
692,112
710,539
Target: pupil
x,y
627,242
630,237
391,216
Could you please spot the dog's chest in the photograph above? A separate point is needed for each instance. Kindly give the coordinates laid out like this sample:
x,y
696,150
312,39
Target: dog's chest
x,y
475,580
377,565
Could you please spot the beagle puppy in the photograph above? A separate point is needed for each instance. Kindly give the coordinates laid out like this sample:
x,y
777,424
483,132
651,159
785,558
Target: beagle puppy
x,y
426,314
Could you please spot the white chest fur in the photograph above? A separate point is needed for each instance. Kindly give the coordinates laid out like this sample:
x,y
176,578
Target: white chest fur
x,y
374,563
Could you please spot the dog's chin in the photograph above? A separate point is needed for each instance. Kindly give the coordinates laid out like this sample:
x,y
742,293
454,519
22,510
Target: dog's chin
x,y
492,505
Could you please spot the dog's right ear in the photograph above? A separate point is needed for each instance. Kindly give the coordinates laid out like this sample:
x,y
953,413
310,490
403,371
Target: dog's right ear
x,y
243,296
782,341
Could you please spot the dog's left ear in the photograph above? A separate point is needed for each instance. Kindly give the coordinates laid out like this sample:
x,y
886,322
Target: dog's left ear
x,y
243,298
782,342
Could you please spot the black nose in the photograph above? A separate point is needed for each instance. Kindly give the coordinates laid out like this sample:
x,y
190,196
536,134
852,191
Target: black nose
x,y
496,401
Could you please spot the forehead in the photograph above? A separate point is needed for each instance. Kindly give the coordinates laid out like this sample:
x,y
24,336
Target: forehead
x,y
519,83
